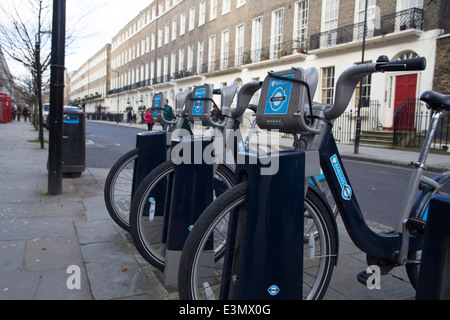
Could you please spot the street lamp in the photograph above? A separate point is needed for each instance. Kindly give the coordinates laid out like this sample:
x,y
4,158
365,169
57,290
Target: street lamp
x,y
117,115
39,83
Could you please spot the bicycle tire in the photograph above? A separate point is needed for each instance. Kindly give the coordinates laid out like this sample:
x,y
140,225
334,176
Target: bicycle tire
x,y
190,289
419,211
147,234
118,189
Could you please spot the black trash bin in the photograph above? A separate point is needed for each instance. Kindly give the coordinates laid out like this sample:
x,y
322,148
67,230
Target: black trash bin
x,y
74,142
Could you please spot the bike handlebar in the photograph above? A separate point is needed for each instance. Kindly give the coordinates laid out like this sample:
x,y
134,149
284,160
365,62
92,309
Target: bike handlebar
x,y
350,78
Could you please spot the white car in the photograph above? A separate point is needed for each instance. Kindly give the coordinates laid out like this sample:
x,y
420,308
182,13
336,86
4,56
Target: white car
x,y
45,112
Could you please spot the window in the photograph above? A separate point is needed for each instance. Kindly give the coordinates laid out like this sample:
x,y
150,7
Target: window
x,y
166,69
190,59
226,6
160,37
330,18
174,29
181,60
153,41
166,34
202,13
213,10
328,85
182,23
371,13
200,54
173,61
277,33
408,4
224,50
191,18
212,54
301,23
239,54
257,35
240,3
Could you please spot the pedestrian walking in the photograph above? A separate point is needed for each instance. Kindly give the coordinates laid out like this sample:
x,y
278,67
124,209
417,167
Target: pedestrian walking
x,y
168,114
130,116
25,113
19,113
148,118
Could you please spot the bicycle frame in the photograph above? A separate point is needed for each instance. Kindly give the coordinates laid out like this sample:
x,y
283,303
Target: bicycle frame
x,y
380,245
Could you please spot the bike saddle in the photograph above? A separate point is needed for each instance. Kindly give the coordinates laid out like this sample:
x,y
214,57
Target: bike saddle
x,y
436,101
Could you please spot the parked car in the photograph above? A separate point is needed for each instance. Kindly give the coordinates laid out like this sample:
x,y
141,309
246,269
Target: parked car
x,y
45,112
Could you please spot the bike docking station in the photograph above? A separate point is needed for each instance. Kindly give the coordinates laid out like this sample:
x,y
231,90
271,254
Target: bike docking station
x,y
263,260
193,182
154,147
434,275
150,145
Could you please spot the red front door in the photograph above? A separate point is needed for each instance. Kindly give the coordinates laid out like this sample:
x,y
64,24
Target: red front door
x,y
405,95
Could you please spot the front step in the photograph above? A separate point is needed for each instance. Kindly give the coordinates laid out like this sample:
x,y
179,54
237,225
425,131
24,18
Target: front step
x,y
377,138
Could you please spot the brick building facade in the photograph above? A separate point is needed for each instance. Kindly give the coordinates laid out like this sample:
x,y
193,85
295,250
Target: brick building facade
x,y
173,45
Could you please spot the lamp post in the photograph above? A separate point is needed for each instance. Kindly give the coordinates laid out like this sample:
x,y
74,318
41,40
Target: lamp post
x,y
358,116
39,83
117,114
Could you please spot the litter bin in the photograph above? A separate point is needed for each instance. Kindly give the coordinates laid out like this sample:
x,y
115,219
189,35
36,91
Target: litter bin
x,y
74,142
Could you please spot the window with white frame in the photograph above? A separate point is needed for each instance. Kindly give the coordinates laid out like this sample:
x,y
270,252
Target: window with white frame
x,y
153,43
160,37
181,60
212,54
173,64
182,23
240,3
166,69
190,59
213,10
301,23
226,5
360,6
200,55
166,33
257,36
330,22
224,54
239,54
408,4
277,33
202,13
192,18
174,29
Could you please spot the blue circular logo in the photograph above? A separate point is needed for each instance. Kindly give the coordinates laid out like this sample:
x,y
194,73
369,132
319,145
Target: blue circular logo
x,y
273,290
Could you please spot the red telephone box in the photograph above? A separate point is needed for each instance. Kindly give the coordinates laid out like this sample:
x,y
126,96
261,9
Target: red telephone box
x,y
8,109
3,108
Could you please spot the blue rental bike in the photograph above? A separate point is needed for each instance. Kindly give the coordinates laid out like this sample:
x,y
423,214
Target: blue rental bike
x,y
314,123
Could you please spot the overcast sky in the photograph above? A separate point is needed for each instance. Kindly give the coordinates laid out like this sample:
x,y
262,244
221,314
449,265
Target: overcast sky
x,y
104,20
100,21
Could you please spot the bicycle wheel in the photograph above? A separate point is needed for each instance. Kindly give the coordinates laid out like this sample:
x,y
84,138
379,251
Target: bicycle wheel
x,y
148,223
420,211
197,281
118,189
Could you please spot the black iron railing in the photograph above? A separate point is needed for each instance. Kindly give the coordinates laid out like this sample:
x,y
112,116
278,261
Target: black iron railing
x,y
411,122
399,21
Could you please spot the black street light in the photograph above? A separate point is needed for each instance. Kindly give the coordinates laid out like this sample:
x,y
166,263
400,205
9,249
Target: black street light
x,y
39,83
358,115
57,98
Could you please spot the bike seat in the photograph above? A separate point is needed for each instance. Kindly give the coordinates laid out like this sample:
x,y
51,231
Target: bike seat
x,y
436,101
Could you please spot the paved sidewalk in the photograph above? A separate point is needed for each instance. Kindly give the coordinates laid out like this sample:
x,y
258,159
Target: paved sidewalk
x,y
41,236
